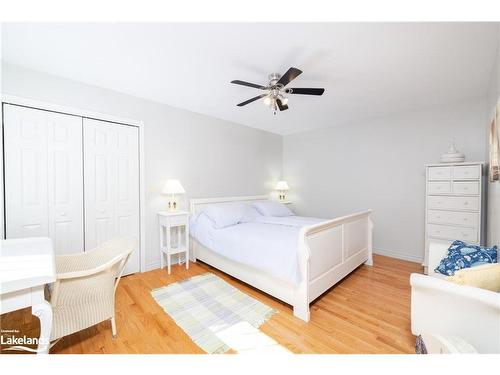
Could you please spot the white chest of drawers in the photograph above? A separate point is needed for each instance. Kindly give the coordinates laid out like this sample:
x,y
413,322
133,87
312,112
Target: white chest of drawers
x,y
454,200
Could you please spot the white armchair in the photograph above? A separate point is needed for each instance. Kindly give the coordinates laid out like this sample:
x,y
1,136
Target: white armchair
x,y
440,307
84,292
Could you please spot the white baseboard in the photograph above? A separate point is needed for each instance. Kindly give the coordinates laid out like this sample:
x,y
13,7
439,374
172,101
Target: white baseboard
x,y
394,254
152,266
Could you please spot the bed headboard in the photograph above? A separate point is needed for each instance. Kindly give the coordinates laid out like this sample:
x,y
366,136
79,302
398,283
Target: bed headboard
x,y
197,205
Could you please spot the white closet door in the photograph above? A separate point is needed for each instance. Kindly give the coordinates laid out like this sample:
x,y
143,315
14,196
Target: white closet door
x,y
26,204
43,177
99,140
111,173
65,183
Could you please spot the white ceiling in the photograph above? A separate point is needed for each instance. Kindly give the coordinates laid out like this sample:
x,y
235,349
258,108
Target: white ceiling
x,y
367,69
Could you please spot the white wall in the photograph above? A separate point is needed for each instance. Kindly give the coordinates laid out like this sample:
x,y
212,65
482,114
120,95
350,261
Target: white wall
x,y
211,157
493,221
379,164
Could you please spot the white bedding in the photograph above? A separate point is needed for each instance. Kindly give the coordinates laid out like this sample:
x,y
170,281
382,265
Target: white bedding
x,y
268,243
291,221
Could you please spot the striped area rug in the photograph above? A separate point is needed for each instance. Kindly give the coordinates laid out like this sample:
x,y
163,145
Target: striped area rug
x,y
210,310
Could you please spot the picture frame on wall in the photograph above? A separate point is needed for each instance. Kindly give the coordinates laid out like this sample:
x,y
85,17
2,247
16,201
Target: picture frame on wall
x,y
494,169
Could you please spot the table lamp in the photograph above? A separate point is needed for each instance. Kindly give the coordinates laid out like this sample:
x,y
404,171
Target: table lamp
x,y
282,187
172,188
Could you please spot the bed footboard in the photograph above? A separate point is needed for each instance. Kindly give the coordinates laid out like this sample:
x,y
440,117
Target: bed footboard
x,y
328,252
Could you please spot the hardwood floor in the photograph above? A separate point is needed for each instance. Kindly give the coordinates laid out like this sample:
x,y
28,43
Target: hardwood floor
x,y
367,312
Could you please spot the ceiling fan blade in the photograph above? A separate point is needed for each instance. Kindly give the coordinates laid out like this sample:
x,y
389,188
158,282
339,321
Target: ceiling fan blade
x,y
281,106
289,76
306,91
251,100
243,83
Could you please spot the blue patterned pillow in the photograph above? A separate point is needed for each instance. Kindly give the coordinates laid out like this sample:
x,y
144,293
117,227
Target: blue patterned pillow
x,y
463,255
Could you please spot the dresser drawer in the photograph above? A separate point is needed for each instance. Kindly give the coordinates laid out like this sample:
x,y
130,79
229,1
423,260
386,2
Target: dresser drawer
x,y
467,219
466,188
439,187
453,203
452,233
466,172
439,173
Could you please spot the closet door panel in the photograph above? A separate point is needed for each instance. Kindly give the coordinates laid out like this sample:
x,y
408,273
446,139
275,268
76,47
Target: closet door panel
x,y
65,184
99,185
111,174
127,195
43,169
26,205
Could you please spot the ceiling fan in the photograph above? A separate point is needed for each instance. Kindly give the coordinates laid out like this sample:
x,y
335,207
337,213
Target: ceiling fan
x,y
274,97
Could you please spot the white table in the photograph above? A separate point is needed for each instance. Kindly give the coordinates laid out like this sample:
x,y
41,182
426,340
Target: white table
x,y
26,265
173,222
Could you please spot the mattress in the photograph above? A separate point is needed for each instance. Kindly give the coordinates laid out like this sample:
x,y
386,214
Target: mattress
x,y
268,243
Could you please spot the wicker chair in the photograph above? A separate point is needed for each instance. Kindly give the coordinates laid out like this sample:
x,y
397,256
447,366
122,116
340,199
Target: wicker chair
x,y
84,292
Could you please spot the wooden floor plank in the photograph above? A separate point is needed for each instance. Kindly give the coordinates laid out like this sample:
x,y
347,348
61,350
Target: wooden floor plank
x,y
367,312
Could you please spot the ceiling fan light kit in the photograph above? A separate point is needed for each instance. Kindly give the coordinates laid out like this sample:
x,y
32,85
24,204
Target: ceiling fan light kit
x,y
275,97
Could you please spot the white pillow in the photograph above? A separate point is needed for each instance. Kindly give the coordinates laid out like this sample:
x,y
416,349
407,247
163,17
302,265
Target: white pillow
x,y
225,215
270,208
250,214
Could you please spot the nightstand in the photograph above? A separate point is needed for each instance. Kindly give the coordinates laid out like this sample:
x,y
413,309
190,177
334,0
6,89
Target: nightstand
x,y
174,235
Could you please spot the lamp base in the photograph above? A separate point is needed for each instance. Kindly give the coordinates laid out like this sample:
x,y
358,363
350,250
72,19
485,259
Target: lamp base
x,y
172,205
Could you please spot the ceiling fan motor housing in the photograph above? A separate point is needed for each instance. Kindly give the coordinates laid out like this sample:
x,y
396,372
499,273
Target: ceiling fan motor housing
x,y
274,78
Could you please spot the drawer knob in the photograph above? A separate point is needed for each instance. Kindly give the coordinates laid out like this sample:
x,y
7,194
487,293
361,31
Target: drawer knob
x,y
465,219
466,203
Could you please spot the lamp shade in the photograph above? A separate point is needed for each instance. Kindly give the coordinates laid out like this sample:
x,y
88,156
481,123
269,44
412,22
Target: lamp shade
x,y
173,187
282,185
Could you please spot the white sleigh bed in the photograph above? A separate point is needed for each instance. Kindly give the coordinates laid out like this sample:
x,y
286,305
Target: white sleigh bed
x,y
327,252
